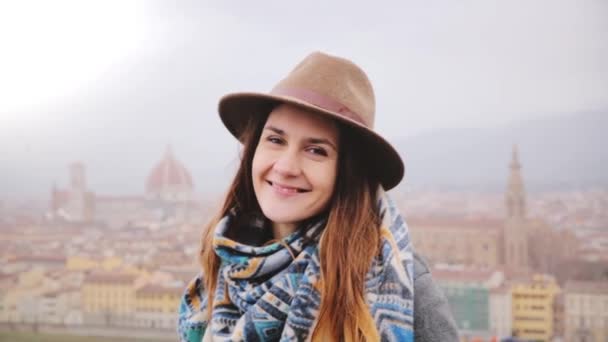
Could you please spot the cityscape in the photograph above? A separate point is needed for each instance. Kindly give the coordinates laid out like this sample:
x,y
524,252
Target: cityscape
x,y
532,266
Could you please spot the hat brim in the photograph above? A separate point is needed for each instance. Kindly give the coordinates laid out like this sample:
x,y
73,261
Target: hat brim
x,y
384,160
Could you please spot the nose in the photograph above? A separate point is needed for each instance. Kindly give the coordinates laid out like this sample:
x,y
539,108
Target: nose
x,y
287,164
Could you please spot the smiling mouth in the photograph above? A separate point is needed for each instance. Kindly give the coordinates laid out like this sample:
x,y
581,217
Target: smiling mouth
x,y
286,189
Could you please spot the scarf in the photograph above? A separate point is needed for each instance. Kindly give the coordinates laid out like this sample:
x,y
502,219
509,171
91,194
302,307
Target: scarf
x,y
270,293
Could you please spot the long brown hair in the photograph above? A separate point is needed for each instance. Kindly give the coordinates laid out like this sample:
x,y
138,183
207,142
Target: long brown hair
x,y
348,244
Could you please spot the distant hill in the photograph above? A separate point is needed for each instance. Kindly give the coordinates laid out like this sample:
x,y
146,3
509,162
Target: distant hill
x,y
557,152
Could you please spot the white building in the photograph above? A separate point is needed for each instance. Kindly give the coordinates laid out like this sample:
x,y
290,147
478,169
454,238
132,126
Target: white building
x,y
586,311
500,311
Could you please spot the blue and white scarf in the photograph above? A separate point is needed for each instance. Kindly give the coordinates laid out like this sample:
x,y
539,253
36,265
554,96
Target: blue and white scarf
x,y
270,293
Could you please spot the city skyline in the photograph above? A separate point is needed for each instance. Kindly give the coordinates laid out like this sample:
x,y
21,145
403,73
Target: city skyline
x,y
557,153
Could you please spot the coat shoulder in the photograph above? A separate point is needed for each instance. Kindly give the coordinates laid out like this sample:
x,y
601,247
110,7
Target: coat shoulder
x,y
433,320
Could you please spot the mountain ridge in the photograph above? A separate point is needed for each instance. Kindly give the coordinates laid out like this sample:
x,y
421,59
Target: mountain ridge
x,y
567,150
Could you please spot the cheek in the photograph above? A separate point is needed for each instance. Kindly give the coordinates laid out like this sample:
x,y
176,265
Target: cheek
x,y
326,179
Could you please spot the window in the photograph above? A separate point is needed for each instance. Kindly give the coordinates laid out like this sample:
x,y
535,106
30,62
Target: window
x,y
534,331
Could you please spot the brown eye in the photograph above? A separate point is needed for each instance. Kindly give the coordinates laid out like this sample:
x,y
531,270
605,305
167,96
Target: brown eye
x,y
318,151
274,140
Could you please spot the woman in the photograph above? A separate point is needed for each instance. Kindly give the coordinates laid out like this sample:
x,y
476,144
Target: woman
x,y
307,245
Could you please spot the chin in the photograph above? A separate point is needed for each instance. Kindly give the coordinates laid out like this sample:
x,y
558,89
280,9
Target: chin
x,y
279,218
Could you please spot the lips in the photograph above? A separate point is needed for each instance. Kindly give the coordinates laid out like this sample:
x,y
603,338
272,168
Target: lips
x,y
285,189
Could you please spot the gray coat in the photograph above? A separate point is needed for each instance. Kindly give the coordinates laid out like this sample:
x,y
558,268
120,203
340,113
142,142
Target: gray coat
x,y
433,319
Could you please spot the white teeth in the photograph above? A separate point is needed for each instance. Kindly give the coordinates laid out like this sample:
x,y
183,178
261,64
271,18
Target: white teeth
x,y
286,190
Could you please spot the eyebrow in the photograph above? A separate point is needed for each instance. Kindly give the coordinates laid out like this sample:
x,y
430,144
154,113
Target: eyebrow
x,y
310,140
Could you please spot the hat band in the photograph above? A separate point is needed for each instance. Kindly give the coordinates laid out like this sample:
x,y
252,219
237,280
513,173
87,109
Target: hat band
x,y
319,100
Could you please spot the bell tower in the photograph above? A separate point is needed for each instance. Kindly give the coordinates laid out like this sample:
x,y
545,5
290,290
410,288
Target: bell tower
x,y
515,198
77,205
515,232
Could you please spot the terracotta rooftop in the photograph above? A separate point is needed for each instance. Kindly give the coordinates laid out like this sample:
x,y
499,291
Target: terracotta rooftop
x,y
168,172
110,277
39,258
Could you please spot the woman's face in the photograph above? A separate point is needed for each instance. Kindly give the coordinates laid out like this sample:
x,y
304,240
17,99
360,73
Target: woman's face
x,y
295,164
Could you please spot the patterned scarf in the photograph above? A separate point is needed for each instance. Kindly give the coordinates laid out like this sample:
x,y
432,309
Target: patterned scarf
x,y
269,293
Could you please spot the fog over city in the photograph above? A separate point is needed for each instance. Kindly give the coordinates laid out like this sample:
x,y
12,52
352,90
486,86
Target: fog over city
x,y
113,83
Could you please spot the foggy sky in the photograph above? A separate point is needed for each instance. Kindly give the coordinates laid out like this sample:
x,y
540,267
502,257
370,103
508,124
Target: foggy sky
x,y
434,65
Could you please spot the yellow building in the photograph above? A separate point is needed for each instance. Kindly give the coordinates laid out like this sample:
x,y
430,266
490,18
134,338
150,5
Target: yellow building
x,y
108,298
532,308
156,305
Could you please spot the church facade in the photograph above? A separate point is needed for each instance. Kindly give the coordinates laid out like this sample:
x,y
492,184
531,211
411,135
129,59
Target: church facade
x,y
482,243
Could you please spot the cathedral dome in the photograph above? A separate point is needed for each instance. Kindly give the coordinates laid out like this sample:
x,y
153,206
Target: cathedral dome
x,y
169,180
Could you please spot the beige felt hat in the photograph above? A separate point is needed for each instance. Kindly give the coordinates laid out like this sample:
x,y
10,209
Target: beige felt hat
x,y
327,85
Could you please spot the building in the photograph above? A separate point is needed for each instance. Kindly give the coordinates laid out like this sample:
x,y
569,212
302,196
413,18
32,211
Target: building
x,y
168,198
484,243
467,291
7,282
75,203
549,248
501,315
461,242
85,263
169,180
533,308
517,243
559,316
156,306
32,283
108,298
58,307
586,311
515,232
